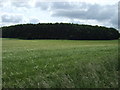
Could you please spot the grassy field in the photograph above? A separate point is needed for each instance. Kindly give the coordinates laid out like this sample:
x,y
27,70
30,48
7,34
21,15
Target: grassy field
x,y
60,63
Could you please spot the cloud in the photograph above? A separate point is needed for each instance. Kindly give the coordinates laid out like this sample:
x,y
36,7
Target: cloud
x,y
20,4
114,20
93,12
119,15
6,18
62,5
69,5
1,5
85,11
42,5
34,20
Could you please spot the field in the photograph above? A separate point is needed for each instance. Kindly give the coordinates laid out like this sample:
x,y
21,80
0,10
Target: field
x,y
60,63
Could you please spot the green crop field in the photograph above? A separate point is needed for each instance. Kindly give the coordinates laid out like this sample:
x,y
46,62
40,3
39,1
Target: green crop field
x,y
59,63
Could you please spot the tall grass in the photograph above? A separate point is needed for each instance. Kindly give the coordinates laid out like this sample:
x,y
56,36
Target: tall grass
x,y
60,64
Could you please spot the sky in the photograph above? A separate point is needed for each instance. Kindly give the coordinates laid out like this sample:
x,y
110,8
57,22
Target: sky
x,y
92,12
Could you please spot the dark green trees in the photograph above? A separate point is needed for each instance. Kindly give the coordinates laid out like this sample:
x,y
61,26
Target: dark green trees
x,y
59,31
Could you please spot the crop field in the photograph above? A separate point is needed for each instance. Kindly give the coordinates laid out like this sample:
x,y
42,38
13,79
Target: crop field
x,y
59,63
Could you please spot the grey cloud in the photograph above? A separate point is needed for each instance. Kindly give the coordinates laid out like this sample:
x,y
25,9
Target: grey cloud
x,y
76,14
42,5
34,20
93,12
119,14
11,18
20,4
62,5
69,5
114,20
59,5
1,3
86,12
100,12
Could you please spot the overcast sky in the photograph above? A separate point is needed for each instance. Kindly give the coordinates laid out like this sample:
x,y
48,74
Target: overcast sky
x,y
93,12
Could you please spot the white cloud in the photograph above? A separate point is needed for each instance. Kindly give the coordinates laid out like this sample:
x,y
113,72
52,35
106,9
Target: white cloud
x,y
78,11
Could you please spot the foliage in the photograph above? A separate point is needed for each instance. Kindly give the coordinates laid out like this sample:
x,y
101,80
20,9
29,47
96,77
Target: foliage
x,y
59,31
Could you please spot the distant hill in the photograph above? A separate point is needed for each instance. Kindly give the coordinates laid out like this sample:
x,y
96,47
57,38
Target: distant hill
x,y
59,31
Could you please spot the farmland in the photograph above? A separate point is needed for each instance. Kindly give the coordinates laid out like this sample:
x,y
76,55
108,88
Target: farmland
x,y
59,63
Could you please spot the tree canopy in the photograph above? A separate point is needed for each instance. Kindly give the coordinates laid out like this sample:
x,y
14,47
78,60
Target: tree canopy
x,y
66,31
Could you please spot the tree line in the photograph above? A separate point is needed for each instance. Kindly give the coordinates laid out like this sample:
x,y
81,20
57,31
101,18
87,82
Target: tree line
x,y
66,31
